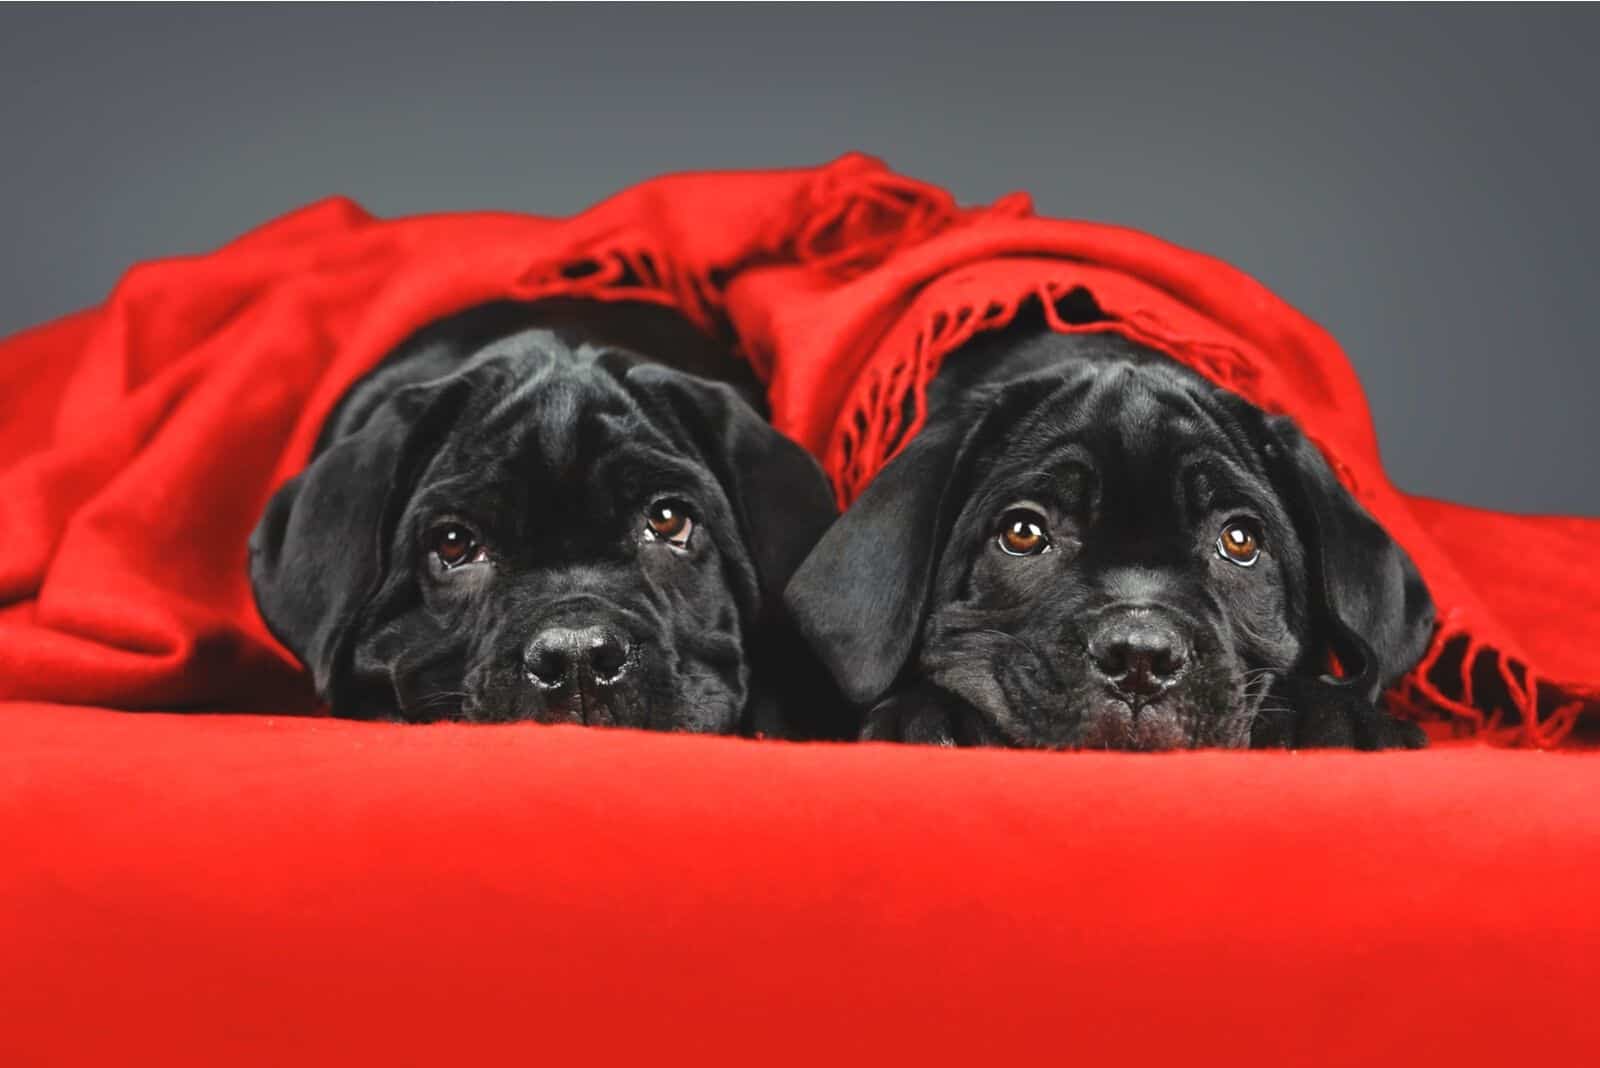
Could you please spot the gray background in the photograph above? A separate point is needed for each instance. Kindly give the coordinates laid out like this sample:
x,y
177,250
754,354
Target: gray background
x,y
1418,180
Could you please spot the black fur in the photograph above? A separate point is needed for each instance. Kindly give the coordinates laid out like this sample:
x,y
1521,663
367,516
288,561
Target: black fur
x,y
1134,629
546,431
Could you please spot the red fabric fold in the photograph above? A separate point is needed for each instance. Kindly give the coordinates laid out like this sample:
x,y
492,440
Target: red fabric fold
x,y
140,439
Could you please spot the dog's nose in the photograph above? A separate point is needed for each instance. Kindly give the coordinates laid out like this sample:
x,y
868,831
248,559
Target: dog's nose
x,y
1140,654
576,656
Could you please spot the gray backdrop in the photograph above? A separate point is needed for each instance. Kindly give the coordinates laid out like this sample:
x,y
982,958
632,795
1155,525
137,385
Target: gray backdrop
x,y
1419,180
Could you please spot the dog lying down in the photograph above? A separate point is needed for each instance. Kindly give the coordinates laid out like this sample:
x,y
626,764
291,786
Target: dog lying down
x,y
1090,546
563,511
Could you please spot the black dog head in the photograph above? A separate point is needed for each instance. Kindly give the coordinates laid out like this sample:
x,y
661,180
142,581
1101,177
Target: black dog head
x,y
539,530
1113,554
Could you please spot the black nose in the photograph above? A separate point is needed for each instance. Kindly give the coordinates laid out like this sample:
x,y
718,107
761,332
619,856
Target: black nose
x,y
1140,654
576,656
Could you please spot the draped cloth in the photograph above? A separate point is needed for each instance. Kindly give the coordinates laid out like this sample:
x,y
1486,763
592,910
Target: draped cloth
x,y
139,440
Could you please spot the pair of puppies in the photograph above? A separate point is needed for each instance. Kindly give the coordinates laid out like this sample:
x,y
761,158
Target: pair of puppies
x,y
574,512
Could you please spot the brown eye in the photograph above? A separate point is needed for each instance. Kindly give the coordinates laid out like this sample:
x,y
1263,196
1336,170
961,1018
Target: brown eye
x,y
668,519
1239,543
1022,533
454,545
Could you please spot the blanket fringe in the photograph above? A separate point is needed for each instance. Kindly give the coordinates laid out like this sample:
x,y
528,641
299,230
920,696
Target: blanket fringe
x,y
629,270
874,425
1437,686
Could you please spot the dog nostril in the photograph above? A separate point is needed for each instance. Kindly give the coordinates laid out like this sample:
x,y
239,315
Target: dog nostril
x,y
549,659
608,656
1165,661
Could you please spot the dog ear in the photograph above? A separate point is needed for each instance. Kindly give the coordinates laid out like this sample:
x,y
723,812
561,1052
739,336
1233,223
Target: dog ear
x,y
1368,602
861,597
320,550
779,494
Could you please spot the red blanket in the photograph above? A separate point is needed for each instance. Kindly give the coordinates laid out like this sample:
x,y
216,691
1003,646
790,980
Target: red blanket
x,y
141,439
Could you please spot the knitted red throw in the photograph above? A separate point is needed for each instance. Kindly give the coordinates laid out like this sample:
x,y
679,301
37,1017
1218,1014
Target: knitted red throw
x,y
139,440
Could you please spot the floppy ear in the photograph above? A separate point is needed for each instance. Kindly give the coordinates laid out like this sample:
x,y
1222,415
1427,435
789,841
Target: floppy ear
x,y
1369,605
779,494
319,551
861,596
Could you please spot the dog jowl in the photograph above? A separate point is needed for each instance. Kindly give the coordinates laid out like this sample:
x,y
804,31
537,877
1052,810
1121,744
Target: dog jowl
x,y
552,512
1090,546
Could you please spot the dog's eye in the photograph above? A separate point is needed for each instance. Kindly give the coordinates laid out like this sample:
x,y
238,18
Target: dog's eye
x,y
1239,543
668,520
1023,533
455,544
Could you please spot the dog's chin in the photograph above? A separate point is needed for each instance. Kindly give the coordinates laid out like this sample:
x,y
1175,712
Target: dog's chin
x,y
584,709
577,707
1019,715
1108,721
695,705
1112,723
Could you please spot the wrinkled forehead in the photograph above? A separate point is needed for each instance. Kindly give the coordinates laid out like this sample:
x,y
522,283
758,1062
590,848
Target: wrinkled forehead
x,y
554,425
1133,434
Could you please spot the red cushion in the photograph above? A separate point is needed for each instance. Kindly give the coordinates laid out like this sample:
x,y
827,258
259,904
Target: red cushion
x,y
258,890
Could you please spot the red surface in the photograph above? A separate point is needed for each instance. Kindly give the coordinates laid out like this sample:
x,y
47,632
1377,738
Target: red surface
x,y
215,890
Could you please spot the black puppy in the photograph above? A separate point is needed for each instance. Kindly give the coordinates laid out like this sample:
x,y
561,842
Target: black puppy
x,y
1090,546
563,511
